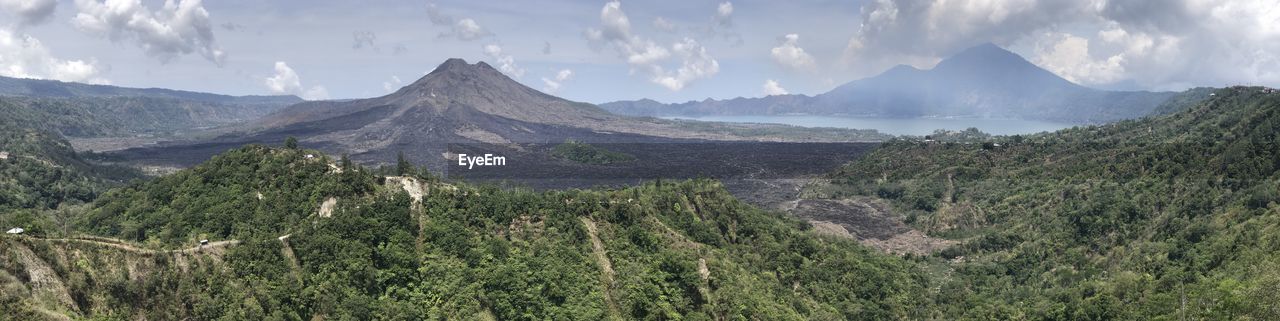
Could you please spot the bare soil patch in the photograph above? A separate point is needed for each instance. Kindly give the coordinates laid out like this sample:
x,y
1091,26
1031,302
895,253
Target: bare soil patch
x,y
870,221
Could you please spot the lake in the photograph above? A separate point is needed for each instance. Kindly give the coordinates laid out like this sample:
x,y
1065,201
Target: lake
x,y
897,126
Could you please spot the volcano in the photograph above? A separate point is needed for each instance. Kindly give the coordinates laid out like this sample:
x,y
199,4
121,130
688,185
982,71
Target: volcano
x,y
984,81
457,103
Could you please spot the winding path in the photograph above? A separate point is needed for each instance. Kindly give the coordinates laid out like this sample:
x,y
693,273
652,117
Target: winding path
x,y
122,245
606,267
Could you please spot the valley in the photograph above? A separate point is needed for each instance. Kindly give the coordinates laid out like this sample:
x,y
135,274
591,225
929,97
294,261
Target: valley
x,y
467,194
462,103
450,237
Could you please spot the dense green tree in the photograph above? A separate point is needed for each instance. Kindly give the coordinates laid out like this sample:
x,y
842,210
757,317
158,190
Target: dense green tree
x,y
687,250
1168,217
403,166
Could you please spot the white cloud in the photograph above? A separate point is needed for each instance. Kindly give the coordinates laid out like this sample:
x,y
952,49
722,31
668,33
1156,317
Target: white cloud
x,y
724,14
465,29
506,63
552,85
920,32
695,64
663,24
30,12
286,81
646,55
1069,57
791,55
178,28
564,74
468,29
393,84
1156,44
23,56
772,88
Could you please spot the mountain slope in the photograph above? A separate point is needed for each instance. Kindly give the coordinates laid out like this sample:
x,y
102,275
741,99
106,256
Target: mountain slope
x,y
1167,217
88,117
984,81
416,248
57,89
40,170
461,103
456,103
87,111
458,87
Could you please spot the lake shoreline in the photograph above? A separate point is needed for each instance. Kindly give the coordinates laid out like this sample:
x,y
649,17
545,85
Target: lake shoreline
x,y
894,126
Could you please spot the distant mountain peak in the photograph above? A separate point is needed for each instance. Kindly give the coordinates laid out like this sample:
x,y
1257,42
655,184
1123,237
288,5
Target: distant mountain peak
x,y
461,66
985,49
901,70
904,67
989,46
457,92
983,55
452,63
984,81
456,73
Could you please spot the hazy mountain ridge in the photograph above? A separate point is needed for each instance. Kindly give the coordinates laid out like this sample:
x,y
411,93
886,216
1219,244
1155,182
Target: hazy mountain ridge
x,y
461,103
52,88
84,110
985,81
84,117
455,103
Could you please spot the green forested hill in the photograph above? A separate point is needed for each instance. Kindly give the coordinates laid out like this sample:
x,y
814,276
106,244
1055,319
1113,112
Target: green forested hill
x,y
1170,217
39,169
251,191
338,242
1166,218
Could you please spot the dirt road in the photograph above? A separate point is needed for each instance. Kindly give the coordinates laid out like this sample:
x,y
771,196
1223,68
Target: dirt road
x,y
123,245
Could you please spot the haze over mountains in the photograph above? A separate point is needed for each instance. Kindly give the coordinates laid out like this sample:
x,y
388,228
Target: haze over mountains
x,y
455,102
58,89
461,103
985,81
86,111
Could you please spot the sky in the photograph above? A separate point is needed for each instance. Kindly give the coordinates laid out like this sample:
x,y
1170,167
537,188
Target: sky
x,y
601,51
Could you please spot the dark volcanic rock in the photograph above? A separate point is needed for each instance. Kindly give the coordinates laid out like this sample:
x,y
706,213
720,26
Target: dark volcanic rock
x,y
457,103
